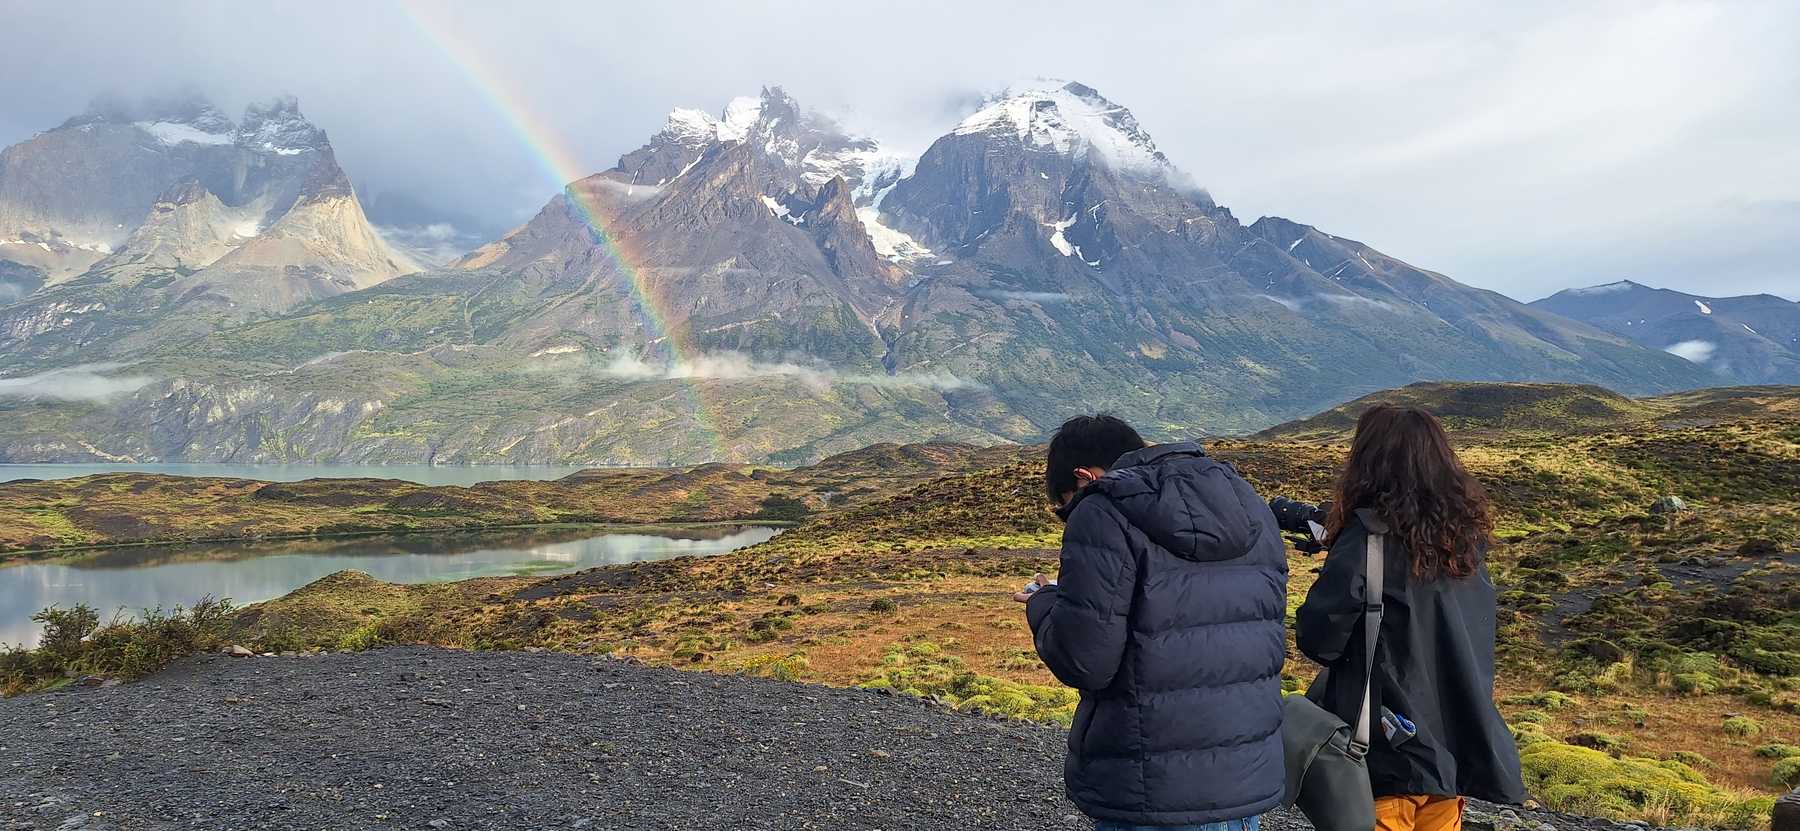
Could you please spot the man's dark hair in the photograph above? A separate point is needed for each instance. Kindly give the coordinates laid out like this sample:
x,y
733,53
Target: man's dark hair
x,y
1086,441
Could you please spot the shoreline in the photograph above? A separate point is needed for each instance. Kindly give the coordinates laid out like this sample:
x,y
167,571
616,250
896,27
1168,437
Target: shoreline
x,y
19,557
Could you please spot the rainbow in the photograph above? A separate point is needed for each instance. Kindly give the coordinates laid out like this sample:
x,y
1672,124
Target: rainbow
x,y
552,151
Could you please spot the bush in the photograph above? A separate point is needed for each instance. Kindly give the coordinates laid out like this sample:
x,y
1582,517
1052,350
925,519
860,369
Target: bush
x,y
1597,649
768,628
366,636
783,508
1767,661
1690,758
1787,773
779,667
883,605
1547,700
1759,548
74,642
1777,751
1696,684
1741,726
64,630
921,669
1581,780
1604,742
1689,663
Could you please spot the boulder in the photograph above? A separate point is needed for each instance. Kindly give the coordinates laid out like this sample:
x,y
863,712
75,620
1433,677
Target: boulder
x,y
1669,504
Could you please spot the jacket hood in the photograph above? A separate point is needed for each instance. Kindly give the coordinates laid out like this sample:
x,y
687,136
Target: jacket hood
x,y
1189,503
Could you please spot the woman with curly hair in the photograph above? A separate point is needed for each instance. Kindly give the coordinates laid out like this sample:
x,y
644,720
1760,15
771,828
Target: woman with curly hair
x,y
1438,737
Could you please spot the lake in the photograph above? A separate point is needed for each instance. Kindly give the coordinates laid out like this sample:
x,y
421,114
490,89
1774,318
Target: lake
x,y
422,474
146,577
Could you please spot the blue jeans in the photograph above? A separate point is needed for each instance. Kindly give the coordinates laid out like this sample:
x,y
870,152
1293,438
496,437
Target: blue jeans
x,y
1251,824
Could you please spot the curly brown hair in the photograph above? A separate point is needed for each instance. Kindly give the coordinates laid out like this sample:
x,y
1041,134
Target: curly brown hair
x,y
1402,466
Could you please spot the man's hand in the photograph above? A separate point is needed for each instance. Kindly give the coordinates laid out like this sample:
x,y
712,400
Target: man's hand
x,y
1038,582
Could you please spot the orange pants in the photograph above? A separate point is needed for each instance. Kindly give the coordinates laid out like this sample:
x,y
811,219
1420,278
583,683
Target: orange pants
x,y
1418,813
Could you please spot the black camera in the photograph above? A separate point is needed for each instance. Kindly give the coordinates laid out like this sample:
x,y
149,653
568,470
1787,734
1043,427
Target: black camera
x,y
1303,522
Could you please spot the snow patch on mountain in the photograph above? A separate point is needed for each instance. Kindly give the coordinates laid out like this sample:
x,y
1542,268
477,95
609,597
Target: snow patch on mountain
x,y
874,169
1057,240
741,114
1704,309
1068,118
894,246
172,133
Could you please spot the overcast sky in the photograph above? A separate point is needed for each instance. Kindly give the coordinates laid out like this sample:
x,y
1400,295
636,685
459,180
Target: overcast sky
x,y
1523,147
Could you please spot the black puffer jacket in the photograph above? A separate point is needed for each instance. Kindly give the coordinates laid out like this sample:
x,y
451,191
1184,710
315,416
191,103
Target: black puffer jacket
x,y
1169,620
1434,665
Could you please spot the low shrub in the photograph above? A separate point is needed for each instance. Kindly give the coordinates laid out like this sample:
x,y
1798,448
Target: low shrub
x,y
1786,773
921,669
1582,780
883,605
366,636
1741,726
74,642
1777,751
1547,700
1604,742
1690,758
1695,684
779,667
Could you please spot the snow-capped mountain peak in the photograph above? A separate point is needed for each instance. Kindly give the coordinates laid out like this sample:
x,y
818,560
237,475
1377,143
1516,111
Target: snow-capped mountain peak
x,y
698,128
807,143
278,127
1070,118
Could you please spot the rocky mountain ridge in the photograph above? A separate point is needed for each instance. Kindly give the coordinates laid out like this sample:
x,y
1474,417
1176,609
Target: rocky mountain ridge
x,y
1753,339
144,226
771,286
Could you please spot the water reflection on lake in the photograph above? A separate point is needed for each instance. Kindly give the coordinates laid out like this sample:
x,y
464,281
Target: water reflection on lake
x,y
138,578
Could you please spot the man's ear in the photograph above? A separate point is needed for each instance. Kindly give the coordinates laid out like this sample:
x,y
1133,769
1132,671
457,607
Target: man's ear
x,y
1084,476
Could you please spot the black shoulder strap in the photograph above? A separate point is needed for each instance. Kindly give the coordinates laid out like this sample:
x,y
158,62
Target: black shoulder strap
x,y
1376,566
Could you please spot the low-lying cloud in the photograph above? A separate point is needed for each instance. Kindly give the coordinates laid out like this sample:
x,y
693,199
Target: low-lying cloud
x,y
433,245
732,366
1027,296
1696,351
86,382
1296,304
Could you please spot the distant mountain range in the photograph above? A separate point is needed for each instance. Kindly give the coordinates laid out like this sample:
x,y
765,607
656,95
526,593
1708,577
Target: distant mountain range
x,y
130,230
760,285
1753,339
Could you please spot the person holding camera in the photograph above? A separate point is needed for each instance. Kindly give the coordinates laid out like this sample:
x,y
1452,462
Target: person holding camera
x,y
1440,737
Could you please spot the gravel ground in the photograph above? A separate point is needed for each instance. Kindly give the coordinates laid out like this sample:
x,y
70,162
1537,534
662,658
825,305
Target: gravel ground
x,y
431,739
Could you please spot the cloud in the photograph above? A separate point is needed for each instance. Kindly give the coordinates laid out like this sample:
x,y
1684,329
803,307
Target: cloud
x,y
733,366
1696,351
1027,296
1296,304
1354,300
1291,304
432,244
87,382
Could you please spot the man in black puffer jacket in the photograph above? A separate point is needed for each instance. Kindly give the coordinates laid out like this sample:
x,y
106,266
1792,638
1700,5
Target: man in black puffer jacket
x,y
1169,618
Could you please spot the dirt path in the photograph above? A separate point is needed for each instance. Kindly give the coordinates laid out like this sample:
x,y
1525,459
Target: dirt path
x,y
427,738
